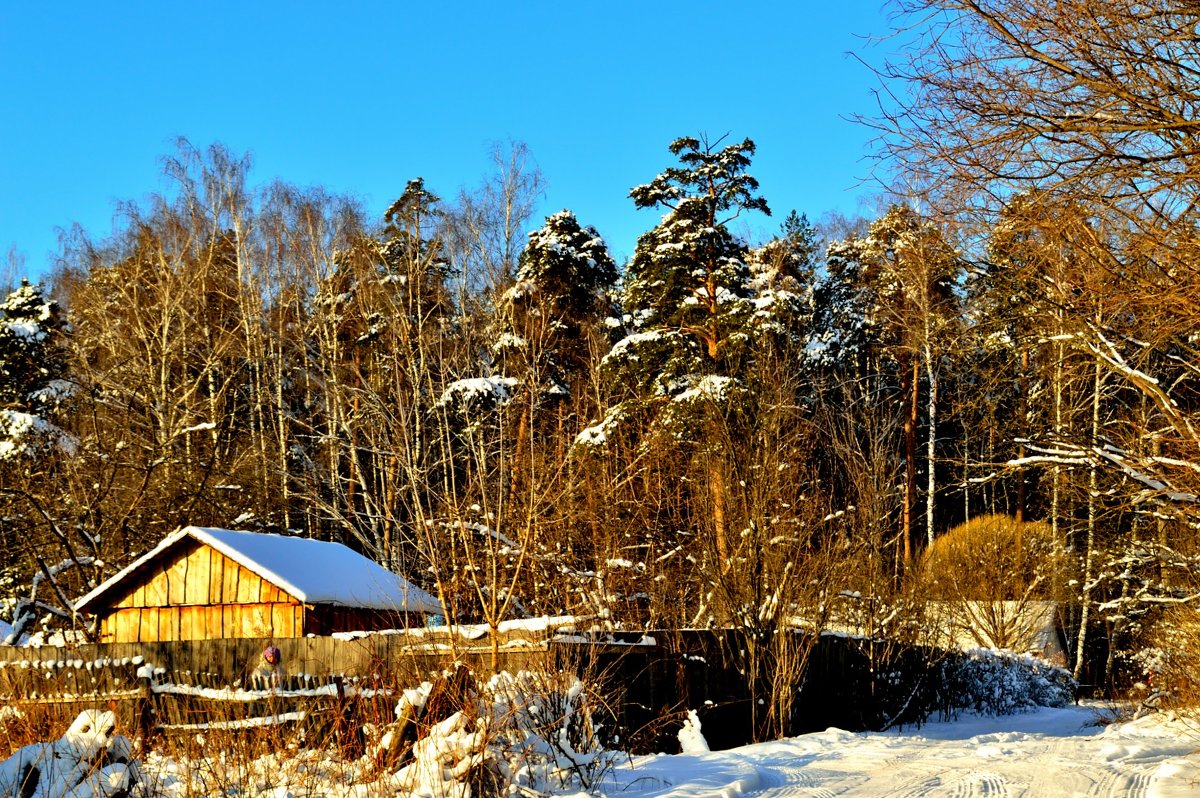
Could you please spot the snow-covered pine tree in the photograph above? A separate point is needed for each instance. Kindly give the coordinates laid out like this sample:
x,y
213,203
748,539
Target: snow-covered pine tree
x,y
562,275
32,370
888,303
687,291
782,274
689,306
546,326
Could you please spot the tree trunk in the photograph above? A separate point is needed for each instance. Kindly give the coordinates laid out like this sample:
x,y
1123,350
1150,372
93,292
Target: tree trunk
x,y
1089,559
931,447
910,455
716,489
1024,392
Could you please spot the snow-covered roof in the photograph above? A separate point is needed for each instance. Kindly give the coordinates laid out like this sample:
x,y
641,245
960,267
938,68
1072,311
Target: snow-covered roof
x,y
313,571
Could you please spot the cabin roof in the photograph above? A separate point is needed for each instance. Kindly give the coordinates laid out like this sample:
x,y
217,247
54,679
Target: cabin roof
x,y
313,571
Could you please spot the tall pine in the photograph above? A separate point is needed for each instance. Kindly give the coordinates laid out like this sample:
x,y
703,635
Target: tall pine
x,y
689,309
32,366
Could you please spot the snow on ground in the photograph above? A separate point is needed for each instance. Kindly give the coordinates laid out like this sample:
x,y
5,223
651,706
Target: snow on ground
x,y
1050,752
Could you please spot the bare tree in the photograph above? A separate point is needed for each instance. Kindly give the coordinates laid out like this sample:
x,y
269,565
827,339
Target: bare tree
x,y
487,227
1091,106
906,270
1090,98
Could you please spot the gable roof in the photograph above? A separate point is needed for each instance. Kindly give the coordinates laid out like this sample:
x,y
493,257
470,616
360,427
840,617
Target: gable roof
x,y
313,571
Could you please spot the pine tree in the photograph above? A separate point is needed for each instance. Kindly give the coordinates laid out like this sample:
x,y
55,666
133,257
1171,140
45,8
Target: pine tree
x,y
687,290
782,276
690,311
562,275
32,367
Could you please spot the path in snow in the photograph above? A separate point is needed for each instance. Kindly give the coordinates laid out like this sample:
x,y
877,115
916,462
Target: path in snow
x,y
1053,753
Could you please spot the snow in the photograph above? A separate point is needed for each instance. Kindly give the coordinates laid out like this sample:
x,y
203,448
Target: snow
x,y
19,428
313,571
1070,751
53,393
593,436
711,387
621,348
509,341
494,391
203,426
691,740
1051,752
598,434
27,331
88,760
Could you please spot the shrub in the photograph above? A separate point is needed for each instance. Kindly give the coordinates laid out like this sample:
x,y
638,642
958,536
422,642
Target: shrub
x,y
1004,683
997,558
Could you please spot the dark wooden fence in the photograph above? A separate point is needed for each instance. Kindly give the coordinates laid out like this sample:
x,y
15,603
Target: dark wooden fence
x,y
651,678
851,683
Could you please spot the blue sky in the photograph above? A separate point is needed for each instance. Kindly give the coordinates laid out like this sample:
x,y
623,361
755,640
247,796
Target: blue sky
x,y
363,96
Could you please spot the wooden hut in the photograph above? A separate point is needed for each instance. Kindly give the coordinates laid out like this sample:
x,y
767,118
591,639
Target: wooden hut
x,y
202,584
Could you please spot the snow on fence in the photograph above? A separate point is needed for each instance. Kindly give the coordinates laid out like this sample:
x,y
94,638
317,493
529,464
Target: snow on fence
x,y
147,700
654,679
191,684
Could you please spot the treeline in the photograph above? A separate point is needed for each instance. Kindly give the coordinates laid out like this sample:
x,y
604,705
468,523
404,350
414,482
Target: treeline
x,y
714,432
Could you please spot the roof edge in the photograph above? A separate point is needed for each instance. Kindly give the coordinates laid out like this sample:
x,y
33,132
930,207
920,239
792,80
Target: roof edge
x,y
108,584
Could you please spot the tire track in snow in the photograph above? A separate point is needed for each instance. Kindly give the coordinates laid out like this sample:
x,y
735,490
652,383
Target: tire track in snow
x,y
805,781
1122,784
980,784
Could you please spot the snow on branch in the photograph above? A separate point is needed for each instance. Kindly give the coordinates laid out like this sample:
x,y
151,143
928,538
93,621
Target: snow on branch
x,y
1103,348
1136,468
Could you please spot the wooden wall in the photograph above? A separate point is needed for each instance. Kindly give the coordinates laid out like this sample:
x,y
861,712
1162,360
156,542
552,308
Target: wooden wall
x,y
196,593
166,624
325,620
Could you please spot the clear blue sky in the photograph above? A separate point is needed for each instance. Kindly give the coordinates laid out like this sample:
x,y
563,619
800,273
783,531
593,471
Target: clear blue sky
x,y
361,97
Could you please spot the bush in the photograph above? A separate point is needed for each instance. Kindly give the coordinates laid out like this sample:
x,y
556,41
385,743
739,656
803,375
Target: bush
x,y
1004,683
530,732
995,558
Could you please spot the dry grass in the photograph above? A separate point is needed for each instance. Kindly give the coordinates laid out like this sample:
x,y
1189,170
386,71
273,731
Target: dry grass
x,y
284,744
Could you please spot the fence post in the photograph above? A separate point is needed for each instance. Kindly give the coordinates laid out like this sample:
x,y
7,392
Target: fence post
x,y
146,710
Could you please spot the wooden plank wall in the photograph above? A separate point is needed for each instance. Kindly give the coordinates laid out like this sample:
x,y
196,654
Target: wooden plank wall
x,y
196,574
164,624
195,592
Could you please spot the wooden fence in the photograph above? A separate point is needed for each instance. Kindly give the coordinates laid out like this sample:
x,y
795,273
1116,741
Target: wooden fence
x,y
229,662
652,679
165,687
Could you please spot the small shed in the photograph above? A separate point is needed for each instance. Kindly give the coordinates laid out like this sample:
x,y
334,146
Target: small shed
x,y
1026,627
205,584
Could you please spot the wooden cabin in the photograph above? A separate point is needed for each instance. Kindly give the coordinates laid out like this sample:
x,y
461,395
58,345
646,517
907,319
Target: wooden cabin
x,y
205,584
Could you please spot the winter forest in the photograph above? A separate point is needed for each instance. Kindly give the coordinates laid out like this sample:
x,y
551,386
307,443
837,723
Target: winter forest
x,y
985,391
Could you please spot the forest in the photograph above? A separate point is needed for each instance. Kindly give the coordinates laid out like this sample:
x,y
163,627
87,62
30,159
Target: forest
x,y
986,391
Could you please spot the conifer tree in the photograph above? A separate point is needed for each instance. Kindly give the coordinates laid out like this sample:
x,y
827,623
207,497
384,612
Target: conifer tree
x,y
562,275
32,367
782,276
689,306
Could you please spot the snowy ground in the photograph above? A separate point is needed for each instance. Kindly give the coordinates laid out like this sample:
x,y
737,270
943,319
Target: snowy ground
x,y
1051,752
